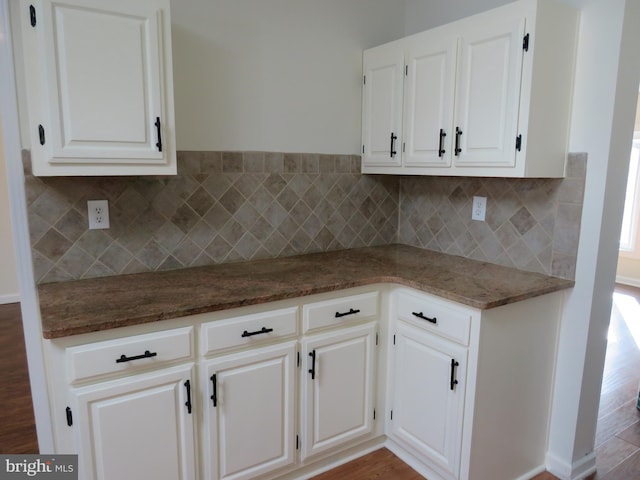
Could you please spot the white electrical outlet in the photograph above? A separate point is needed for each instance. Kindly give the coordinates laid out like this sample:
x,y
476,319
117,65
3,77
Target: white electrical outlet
x,y
98,211
479,208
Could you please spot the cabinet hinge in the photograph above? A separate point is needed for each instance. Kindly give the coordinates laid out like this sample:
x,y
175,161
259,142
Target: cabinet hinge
x,y
69,416
41,134
297,442
525,43
519,142
32,15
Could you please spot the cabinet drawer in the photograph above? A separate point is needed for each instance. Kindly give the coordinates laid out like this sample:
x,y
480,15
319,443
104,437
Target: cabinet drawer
x,y
339,311
128,354
436,316
247,330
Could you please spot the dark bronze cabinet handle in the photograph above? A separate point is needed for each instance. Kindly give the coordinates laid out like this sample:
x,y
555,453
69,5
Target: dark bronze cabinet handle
x,y
159,133
350,312
422,316
312,370
214,384
257,332
453,381
441,150
392,152
187,404
458,134
146,354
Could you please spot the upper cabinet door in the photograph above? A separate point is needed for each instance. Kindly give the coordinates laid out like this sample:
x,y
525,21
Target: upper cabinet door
x,y
99,79
490,69
428,100
382,106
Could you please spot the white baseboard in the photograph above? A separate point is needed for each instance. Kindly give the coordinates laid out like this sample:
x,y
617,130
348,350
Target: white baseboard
x,y
578,470
633,282
9,299
532,473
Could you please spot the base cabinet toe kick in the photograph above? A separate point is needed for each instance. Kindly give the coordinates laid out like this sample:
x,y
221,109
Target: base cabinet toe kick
x,y
292,388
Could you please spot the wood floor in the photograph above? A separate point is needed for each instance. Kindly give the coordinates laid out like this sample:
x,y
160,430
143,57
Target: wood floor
x,y
17,425
617,437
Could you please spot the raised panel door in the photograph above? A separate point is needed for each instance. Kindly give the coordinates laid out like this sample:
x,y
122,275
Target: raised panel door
x,y
337,388
101,87
137,427
427,399
488,94
250,412
382,105
428,100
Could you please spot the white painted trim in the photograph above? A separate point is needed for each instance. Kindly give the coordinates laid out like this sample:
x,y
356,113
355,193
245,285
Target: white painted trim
x,y
4,299
579,470
633,282
532,473
18,207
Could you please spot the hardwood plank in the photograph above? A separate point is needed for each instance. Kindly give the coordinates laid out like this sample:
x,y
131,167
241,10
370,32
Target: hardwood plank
x,y
612,453
17,423
627,470
376,465
631,434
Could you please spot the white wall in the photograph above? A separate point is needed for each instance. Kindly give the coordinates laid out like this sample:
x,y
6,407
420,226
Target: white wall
x,y
608,72
282,75
424,14
8,274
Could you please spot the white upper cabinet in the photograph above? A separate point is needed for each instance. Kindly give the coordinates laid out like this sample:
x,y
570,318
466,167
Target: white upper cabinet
x,y
428,102
486,120
99,87
489,95
382,116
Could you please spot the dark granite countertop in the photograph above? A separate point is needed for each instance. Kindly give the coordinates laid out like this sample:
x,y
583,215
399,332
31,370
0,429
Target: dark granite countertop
x,y
82,306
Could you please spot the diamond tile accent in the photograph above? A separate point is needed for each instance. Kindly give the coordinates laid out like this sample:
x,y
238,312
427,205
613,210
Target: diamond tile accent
x,y
531,224
234,206
221,207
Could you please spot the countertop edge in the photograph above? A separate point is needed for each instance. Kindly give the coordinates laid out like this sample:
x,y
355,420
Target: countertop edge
x,y
52,332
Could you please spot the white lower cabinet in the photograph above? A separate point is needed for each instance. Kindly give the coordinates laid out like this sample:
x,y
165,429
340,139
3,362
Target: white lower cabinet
x,y
136,427
470,390
286,390
250,412
337,388
428,396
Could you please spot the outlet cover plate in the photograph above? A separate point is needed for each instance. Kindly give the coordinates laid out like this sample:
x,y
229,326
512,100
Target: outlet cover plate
x,y
98,213
479,208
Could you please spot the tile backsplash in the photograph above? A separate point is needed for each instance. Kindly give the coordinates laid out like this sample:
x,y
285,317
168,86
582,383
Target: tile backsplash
x,y
221,207
531,224
234,206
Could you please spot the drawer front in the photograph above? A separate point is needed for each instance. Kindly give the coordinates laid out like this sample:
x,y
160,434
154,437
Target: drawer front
x,y
123,355
435,316
339,311
231,333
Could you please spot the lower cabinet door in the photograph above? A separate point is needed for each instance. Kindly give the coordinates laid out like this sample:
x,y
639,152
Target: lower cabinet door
x,y
250,412
137,427
337,388
427,399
